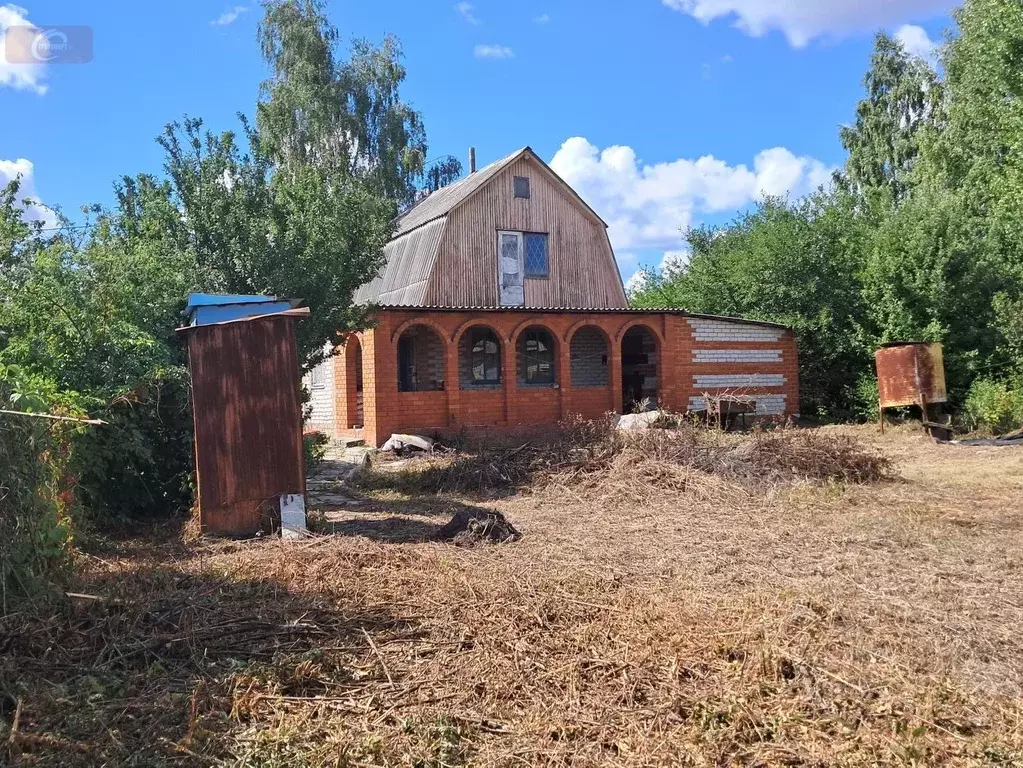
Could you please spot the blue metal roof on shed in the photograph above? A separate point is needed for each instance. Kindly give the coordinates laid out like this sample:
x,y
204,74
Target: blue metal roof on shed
x,y
207,308
217,299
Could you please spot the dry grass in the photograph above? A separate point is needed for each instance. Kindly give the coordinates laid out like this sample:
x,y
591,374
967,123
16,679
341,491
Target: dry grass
x,y
731,620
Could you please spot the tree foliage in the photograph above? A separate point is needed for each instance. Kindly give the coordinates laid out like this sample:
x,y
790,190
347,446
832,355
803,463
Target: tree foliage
x,y
920,240
298,204
344,117
903,98
789,263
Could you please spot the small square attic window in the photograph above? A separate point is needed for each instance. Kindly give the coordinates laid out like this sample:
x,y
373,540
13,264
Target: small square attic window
x,y
522,187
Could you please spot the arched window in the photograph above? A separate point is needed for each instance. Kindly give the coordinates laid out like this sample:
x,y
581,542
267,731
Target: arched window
x,y
420,360
479,358
536,357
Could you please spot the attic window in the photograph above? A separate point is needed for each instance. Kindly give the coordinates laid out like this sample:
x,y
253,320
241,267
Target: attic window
x,y
536,264
522,187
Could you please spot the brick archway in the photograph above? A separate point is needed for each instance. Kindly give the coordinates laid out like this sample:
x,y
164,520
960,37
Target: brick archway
x,y
628,326
642,367
396,334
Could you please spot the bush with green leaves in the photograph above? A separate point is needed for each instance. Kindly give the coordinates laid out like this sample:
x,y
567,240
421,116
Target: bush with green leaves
x,y
994,406
36,490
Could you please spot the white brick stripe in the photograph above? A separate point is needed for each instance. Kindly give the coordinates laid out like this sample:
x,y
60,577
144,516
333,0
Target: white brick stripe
x,y
767,405
736,381
718,330
736,355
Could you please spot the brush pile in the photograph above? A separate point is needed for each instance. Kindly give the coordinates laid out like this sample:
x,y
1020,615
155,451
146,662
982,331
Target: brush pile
x,y
596,457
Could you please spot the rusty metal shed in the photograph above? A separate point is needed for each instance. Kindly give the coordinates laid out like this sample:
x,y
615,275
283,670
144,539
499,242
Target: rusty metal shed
x,y
247,411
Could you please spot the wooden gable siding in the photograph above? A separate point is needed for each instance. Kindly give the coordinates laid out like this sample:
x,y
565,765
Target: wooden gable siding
x,y
582,270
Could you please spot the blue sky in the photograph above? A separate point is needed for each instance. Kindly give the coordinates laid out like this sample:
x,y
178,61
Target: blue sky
x,y
662,113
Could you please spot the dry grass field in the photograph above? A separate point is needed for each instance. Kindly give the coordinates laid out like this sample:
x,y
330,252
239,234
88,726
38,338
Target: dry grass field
x,y
653,613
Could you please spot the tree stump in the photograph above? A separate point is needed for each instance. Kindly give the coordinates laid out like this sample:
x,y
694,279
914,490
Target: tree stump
x,y
469,528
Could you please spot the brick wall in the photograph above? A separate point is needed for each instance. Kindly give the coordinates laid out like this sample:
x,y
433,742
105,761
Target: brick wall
x,y
590,354
320,385
687,360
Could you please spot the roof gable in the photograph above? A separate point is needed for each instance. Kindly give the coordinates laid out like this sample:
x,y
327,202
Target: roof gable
x,y
446,199
410,257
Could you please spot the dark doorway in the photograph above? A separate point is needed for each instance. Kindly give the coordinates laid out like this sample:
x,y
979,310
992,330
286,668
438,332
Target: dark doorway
x,y
639,370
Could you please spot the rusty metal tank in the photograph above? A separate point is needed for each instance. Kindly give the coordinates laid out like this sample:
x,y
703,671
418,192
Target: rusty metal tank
x,y
910,373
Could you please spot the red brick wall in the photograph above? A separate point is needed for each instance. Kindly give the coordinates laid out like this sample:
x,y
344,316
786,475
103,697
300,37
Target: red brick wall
x,y
694,357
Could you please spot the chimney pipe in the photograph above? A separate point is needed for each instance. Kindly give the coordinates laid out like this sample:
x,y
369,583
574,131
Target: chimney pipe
x,y
472,159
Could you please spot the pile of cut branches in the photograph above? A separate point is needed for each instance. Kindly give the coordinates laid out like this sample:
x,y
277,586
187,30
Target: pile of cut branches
x,y
586,455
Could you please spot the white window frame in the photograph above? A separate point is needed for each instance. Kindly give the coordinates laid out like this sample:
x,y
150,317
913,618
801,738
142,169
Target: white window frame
x,y
520,237
318,376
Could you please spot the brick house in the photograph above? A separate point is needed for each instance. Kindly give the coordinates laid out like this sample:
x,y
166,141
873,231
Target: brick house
x,y
501,306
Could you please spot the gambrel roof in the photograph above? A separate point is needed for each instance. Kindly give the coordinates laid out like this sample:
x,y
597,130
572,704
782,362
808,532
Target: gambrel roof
x,y
411,254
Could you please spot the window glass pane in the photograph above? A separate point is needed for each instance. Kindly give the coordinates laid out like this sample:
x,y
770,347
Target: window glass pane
x,y
486,358
522,187
536,255
539,354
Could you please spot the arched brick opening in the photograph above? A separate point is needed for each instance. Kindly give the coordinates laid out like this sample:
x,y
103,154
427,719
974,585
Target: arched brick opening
x,y
479,358
420,353
589,353
536,357
640,369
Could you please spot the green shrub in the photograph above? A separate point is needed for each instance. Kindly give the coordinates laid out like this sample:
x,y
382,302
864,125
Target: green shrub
x,y
36,490
864,397
314,448
994,406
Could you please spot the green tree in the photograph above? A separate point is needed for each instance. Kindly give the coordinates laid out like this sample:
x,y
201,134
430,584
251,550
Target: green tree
x,y
345,117
979,155
247,227
792,263
903,99
94,317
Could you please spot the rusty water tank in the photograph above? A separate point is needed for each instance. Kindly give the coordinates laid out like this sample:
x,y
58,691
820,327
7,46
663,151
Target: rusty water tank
x,y
910,372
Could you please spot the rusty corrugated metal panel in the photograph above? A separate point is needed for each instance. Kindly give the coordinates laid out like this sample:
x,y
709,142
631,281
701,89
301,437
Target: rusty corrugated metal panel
x,y
248,421
911,372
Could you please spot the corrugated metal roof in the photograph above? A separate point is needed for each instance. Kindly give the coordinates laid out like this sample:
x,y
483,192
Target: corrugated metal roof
x,y
444,199
410,259
590,311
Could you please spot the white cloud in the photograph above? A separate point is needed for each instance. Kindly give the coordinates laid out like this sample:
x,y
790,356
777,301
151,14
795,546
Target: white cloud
x,y
636,283
28,77
646,206
543,18
229,16
34,209
917,42
803,20
493,52
465,11
673,260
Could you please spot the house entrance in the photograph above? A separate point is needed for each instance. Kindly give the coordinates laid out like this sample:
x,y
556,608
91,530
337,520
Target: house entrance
x,y
639,370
